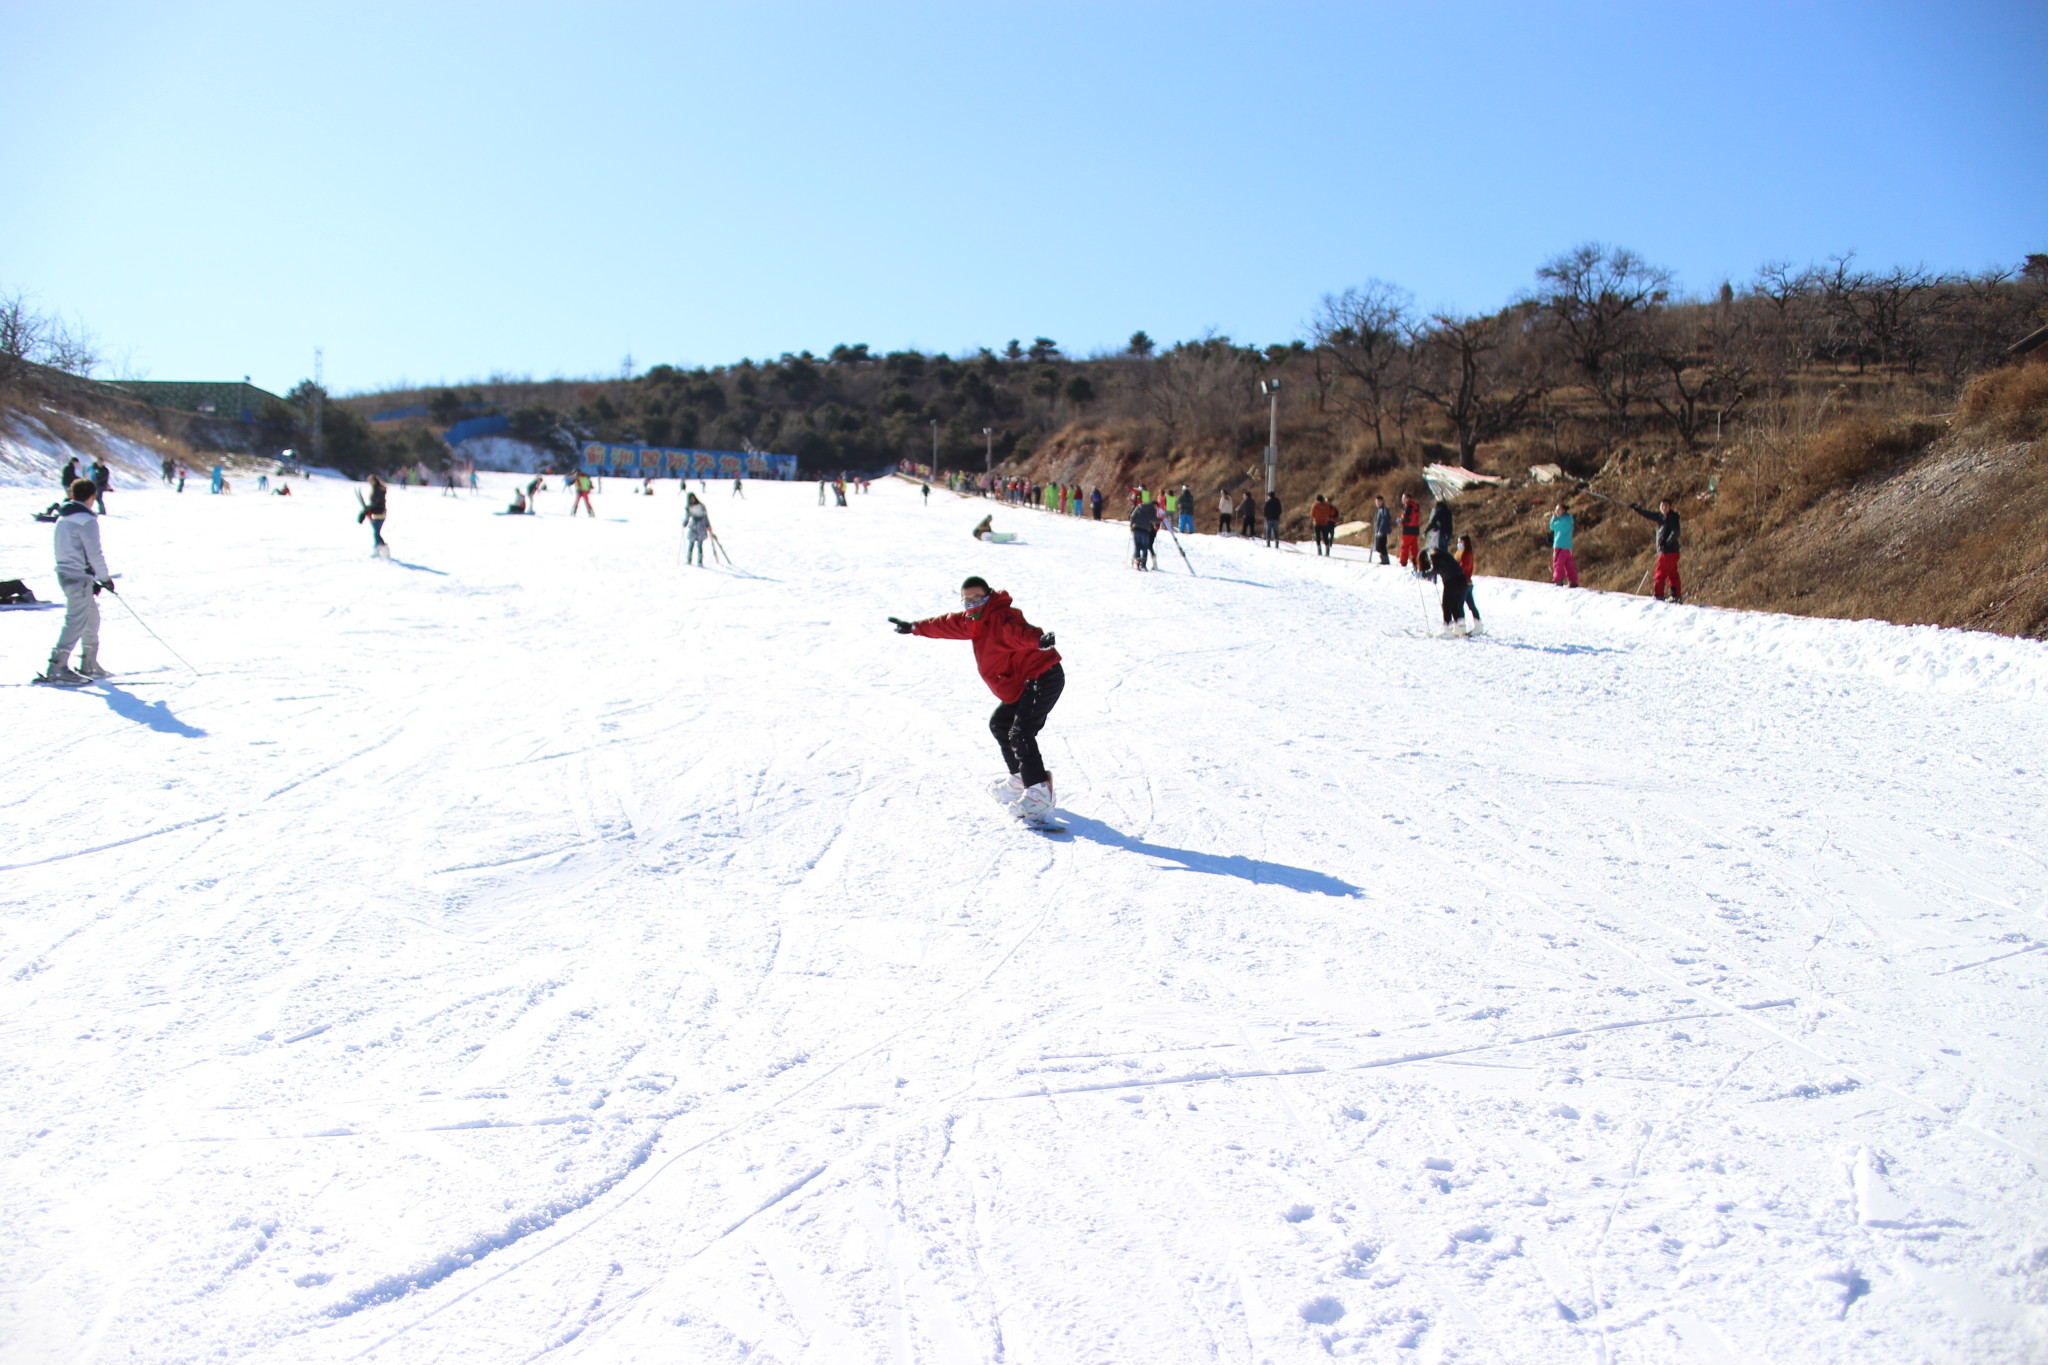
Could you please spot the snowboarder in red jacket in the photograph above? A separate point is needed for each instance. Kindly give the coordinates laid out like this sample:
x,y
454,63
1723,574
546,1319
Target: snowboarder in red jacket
x,y
1018,662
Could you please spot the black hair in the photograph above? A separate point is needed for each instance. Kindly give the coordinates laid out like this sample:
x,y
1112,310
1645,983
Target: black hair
x,y
976,582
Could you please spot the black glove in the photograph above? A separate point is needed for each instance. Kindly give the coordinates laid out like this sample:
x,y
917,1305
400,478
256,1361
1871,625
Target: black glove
x,y
902,627
97,586
1045,639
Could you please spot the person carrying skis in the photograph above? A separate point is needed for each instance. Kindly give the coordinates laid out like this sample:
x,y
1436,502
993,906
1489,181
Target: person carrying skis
x,y
1564,569
1411,527
1382,527
82,573
1666,518
373,512
1322,519
1144,530
583,487
697,518
1465,563
1439,565
1018,662
1272,513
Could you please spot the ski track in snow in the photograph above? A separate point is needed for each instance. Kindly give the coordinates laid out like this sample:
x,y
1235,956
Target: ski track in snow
x,y
534,949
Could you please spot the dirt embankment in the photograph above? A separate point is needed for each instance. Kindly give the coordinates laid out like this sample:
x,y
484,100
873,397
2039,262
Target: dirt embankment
x,y
1939,520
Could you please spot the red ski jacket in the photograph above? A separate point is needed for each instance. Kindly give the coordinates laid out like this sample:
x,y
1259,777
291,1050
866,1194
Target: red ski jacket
x,y
1005,645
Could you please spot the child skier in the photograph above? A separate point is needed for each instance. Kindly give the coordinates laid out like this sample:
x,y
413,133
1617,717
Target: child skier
x,y
1564,569
583,487
1018,662
1465,563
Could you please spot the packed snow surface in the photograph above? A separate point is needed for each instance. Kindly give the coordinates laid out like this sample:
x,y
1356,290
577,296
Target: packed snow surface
x,y
532,948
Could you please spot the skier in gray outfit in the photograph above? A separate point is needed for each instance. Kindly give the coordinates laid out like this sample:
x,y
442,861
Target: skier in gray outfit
x,y
81,572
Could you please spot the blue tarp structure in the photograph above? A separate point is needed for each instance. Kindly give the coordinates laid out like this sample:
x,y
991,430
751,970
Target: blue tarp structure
x,y
476,426
660,462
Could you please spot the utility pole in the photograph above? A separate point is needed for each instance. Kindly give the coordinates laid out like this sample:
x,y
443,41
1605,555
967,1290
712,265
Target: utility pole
x,y
1271,388
935,447
988,464
319,406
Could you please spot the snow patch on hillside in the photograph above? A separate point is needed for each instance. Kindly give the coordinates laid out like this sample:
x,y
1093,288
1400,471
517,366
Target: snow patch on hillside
x,y
32,455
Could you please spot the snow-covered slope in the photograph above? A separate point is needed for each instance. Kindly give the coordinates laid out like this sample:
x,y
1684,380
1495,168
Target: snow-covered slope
x,y
531,948
32,453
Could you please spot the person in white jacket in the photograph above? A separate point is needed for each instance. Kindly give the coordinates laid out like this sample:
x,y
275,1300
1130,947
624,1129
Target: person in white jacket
x,y
81,572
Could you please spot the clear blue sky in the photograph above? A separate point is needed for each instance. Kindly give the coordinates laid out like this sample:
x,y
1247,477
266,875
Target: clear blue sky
x,y
435,192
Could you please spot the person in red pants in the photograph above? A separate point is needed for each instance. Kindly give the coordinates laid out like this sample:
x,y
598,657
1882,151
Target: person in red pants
x,y
1411,530
582,495
1667,548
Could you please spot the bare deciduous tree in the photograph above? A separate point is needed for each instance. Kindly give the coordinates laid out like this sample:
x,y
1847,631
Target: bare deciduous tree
x,y
28,337
1362,332
1484,374
1597,300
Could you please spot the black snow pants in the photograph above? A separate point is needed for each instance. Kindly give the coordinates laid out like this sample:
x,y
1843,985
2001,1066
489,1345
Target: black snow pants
x,y
1016,724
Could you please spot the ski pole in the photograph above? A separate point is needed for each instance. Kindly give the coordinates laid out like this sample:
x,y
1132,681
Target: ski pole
x,y
718,546
1183,551
153,635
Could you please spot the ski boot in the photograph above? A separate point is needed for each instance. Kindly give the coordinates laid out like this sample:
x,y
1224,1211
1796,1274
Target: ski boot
x,y
89,665
60,674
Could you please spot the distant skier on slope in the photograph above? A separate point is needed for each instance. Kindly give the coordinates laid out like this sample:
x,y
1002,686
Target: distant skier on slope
x,y
1411,527
1564,568
1465,563
1439,565
583,487
81,572
1322,518
1018,662
373,512
1382,527
697,518
1144,530
1439,527
1667,548
1272,513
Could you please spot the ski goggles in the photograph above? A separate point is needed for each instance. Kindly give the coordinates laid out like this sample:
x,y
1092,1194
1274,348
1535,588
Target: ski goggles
x,y
973,603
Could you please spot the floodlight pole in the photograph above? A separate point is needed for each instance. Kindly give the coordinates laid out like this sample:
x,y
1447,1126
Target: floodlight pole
x,y
935,447
1271,388
988,463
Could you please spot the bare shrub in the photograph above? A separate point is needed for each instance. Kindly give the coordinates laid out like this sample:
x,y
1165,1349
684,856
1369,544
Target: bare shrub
x,y
2010,402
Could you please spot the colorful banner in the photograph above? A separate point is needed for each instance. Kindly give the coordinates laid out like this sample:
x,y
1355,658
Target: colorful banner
x,y
659,462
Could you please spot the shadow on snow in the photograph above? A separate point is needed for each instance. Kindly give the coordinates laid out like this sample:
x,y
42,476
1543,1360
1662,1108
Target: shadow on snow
x,y
1253,870
155,714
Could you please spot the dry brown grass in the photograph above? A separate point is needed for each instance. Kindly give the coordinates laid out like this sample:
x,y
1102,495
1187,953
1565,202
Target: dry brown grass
x,y
2011,402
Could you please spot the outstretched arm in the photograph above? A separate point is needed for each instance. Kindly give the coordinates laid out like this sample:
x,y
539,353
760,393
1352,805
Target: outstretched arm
x,y
954,626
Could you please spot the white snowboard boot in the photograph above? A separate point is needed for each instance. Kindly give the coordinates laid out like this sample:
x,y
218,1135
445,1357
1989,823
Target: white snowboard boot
x,y
1037,803
1006,790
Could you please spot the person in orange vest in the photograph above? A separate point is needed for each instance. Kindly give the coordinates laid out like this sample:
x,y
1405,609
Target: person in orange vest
x,y
1411,530
1322,516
